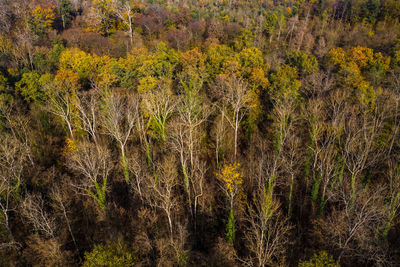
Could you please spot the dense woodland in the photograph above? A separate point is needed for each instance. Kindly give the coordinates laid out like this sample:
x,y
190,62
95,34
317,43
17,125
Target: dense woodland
x,y
199,133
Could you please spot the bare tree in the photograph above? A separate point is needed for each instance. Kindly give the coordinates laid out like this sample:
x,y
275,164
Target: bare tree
x,y
162,190
33,209
13,155
61,105
94,163
352,230
267,233
236,101
87,107
159,105
219,133
119,119
359,150
138,168
186,137
59,197
393,196
123,10
324,164
290,163
142,127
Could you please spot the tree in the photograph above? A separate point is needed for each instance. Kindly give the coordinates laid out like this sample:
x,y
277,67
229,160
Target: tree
x,y
236,102
352,230
319,259
232,180
359,150
323,159
187,132
119,117
31,86
114,253
33,209
94,164
275,22
162,190
13,156
62,96
267,233
86,116
41,18
65,11
123,10
102,19
159,106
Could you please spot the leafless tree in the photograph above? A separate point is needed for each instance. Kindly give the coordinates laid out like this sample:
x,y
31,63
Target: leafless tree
x,y
5,17
33,209
352,230
359,150
159,104
119,119
236,101
94,163
123,10
61,105
58,197
267,233
162,190
87,107
290,167
186,137
13,156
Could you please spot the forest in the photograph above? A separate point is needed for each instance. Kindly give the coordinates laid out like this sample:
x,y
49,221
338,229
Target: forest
x,y
200,133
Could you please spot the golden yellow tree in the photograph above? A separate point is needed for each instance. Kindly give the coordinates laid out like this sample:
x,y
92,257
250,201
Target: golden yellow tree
x,y
232,178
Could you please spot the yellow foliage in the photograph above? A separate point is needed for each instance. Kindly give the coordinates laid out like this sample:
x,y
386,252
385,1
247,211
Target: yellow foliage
x,y
147,83
88,66
12,71
363,56
67,81
352,63
70,145
231,176
258,79
76,60
5,44
358,57
193,59
337,56
231,67
42,16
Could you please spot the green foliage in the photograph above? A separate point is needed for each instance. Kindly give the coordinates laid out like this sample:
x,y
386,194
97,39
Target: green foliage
x,y
370,10
3,84
305,63
284,83
54,55
146,69
320,259
100,196
249,59
245,39
113,254
275,21
230,228
217,56
65,12
317,178
31,86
